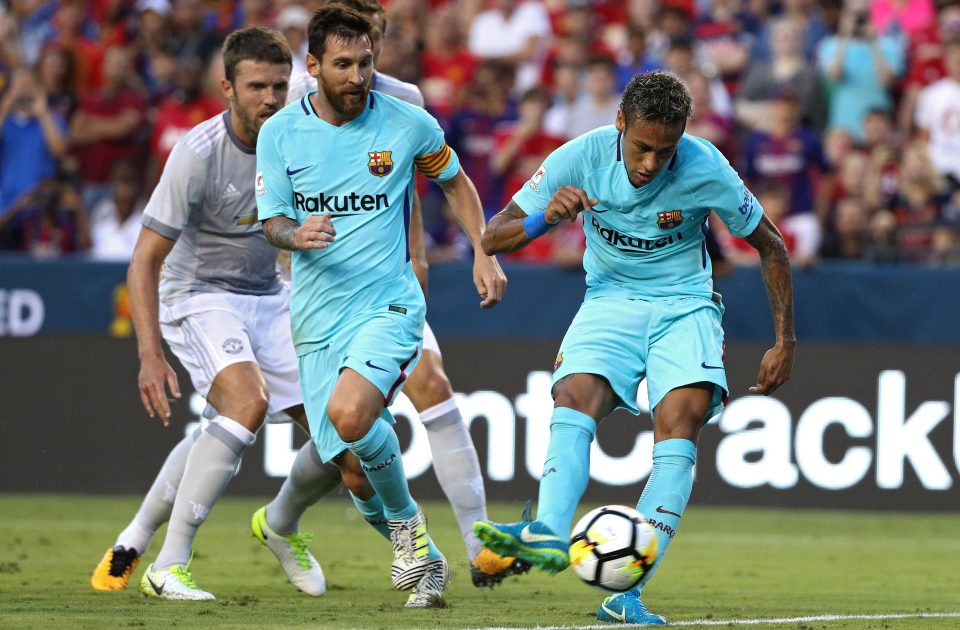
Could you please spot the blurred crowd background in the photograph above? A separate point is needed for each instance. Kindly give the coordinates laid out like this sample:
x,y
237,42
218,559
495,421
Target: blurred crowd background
x,y
843,117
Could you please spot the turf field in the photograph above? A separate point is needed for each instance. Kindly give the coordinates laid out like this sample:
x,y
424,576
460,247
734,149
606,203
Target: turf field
x,y
792,568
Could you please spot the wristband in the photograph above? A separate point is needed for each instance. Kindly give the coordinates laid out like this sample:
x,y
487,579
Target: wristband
x,y
536,225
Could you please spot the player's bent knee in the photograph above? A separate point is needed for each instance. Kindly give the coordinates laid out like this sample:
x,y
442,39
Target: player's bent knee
x,y
352,421
249,410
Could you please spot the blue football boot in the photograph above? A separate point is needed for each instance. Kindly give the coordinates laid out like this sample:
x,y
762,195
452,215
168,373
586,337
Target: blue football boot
x,y
528,540
628,608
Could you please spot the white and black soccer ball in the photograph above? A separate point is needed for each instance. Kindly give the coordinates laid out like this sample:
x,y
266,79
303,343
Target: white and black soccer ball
x,y
612,548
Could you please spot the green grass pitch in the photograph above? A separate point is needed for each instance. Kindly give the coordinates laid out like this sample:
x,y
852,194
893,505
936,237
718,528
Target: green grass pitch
x,y
726,565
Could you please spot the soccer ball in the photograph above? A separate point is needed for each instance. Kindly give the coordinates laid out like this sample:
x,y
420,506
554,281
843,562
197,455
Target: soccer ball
x,y
612,548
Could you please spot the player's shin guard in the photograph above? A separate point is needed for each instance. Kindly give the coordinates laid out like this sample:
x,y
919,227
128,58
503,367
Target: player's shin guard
x,y
310,480
158,502
210,467
566,471
457,467
379,454
667,491
372,511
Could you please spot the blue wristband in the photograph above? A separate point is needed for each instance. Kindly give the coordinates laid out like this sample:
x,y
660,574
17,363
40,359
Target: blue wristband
x,y
536,225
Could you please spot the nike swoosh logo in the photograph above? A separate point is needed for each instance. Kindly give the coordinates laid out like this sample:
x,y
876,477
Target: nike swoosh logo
x,y
660,510
529,537
619,616
710,367
157,589
376,367
291,171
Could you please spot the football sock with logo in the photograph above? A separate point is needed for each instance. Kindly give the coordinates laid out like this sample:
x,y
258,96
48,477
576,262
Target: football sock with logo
x,y
372,511
566,471
210,467
457,467
379,453
310,480
158,502
667,491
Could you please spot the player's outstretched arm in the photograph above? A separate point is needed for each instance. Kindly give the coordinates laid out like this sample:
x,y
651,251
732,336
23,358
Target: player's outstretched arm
x,y
315,233
465,203
143,275
775,267
511,228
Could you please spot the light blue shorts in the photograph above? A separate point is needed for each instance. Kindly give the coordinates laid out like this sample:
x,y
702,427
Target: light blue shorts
x,y
383,348
671,342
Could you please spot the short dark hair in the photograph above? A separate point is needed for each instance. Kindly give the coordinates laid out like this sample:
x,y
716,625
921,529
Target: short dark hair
x,y
254,43
363,7
659,97
336,20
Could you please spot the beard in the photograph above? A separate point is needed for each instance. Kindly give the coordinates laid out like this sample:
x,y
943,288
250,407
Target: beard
x,y
343,102
252,120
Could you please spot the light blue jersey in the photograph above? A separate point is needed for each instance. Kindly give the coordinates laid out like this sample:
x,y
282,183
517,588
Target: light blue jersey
x,y
361,173
647,241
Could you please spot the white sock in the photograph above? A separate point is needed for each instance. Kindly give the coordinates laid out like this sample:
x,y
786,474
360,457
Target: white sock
x,y
309,481
210,467
457,467
158,502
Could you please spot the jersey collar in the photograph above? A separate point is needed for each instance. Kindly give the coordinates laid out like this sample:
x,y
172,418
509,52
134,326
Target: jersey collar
x,y
233,136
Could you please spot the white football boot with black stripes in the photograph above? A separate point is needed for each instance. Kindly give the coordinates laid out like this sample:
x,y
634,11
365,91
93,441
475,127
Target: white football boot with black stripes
x,y
429,591
411,551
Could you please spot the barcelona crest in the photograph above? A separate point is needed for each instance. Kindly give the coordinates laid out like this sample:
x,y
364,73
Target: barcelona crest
x,y
558,362
380,163
669,219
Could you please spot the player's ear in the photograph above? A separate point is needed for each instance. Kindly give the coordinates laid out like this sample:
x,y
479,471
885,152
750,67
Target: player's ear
x,y
313,66
227,88
621,123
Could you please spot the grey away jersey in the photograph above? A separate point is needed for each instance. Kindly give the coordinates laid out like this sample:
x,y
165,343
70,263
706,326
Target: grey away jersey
x,y
302,83
205,202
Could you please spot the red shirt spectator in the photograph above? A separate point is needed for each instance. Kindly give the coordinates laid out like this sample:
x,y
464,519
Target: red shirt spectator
x,y
175,117
178,113
446,64
108,124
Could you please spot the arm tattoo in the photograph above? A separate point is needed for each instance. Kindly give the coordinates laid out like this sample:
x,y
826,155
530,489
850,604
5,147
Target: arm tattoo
x,y
280,232
502,228
775,268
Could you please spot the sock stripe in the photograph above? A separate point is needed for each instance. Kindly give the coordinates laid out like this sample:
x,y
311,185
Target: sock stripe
x,y
437,411
229,440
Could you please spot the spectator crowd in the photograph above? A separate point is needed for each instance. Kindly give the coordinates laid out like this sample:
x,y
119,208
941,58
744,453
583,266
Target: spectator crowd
x,y
843,116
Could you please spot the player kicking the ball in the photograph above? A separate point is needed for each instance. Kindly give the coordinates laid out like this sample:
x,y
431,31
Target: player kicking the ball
x,y
334,185
646,190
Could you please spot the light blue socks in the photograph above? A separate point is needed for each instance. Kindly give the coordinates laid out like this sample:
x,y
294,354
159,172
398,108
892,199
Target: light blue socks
x,y
372,511
667,491
566,470
379,455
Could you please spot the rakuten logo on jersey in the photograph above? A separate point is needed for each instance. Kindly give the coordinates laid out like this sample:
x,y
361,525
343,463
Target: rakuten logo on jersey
x,y
341,204
632,244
